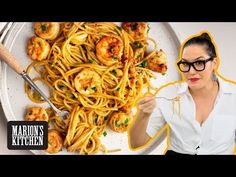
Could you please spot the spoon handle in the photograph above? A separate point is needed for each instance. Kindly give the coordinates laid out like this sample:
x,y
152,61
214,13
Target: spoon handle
x,y
11,61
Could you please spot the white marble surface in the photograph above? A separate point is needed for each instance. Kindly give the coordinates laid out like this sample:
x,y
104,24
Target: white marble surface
x,y
224,36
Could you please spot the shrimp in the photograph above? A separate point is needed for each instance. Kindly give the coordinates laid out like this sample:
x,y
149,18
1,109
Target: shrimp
x,y
36,114
137,30
47,30
119,121
109,50
55,141
38,48
158,63
87,81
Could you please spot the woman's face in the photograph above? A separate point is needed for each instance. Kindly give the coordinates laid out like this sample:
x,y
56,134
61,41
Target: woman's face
x,y
198,79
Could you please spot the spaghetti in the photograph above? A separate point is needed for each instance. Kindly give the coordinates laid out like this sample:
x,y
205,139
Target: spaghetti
x,y
93,70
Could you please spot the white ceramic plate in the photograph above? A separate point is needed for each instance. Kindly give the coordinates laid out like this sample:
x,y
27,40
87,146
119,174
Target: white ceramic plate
x,y
14,99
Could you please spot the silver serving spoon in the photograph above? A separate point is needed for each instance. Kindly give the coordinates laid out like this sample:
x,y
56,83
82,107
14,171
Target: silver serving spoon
x,y
11,61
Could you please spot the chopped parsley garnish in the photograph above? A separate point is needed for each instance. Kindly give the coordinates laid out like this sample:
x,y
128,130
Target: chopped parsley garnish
x,y
114,58
43,28
118,89
143,64
104,133
91,61
116,123
50,62
114,72
139,56
126,121
137,45
94,88
61,87
92,50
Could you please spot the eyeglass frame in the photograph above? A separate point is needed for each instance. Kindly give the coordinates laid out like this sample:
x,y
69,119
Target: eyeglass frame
x,y
191,64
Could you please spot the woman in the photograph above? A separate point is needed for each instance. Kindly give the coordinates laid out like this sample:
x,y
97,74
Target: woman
x,y
203,118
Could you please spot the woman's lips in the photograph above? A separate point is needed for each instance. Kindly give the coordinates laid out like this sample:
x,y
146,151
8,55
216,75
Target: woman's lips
x,y
194,79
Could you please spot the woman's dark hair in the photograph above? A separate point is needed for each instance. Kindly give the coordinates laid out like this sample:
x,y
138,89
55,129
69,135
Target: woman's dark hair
x,y
205,40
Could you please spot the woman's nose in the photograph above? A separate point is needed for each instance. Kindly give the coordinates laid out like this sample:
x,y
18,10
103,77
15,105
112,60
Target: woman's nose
x,y
192,70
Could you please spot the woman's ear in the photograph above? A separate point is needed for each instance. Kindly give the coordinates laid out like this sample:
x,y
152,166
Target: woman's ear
x,y
215,63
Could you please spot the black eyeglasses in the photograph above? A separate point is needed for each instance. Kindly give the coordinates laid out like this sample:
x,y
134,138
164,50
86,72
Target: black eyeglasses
x,y
198,65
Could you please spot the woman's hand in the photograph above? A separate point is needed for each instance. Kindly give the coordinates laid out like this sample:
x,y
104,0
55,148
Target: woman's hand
x,y
138,135
147,104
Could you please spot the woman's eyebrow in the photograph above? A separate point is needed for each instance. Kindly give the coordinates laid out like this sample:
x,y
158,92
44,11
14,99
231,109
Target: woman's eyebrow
x,y
185,60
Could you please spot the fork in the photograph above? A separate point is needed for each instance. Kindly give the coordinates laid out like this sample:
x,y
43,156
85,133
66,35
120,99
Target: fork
x,y
11,61
177,98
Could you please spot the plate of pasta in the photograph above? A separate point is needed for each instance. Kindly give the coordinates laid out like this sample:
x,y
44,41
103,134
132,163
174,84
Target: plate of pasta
x,y
97,71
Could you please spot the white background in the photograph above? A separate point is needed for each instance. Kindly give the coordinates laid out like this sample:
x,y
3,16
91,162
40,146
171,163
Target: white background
x,y
224,35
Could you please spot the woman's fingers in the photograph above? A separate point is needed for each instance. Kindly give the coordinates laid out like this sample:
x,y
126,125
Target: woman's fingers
x,y
148,108
147,99
147,104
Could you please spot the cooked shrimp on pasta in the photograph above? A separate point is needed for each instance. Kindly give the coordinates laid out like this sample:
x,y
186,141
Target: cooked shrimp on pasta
x,y
47,30
36,114
109,50
137,30
55,141
38,48
119,121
